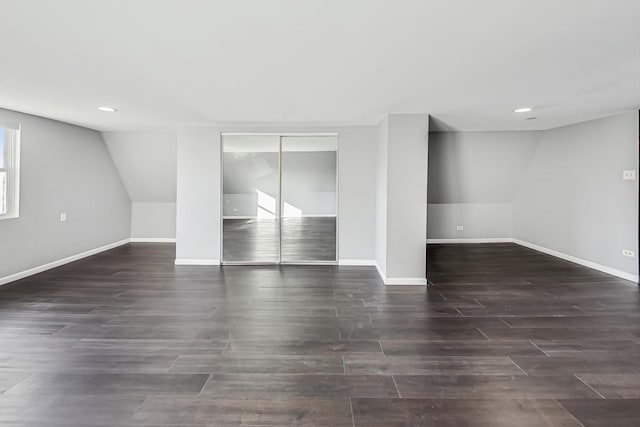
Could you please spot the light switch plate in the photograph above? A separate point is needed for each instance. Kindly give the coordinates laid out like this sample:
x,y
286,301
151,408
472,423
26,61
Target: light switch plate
x,y
629,175
63,217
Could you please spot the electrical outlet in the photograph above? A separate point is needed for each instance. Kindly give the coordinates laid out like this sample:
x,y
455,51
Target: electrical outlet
x,y
460,228
63,217
628,253
629,175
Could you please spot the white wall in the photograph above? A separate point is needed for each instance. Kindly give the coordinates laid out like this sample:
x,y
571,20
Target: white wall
x,y
146,162
573,199
473,180
64,168
198,190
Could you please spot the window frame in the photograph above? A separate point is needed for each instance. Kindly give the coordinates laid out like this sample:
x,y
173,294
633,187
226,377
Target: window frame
x,y
12,168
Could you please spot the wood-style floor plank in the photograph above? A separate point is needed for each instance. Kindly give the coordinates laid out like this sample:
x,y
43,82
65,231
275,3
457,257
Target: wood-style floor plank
x,y
460,412
506,336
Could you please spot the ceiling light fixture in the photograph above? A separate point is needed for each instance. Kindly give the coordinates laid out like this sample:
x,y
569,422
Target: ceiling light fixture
x,y
108,109
522,110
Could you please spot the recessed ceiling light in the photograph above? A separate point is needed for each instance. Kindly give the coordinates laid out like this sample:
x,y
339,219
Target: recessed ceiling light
x,y
107,109
522,110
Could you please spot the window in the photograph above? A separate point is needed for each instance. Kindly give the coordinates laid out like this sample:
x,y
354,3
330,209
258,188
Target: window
x,y
9,170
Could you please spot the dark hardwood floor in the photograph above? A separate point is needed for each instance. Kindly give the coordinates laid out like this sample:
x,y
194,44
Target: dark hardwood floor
x,y
256,240
505,337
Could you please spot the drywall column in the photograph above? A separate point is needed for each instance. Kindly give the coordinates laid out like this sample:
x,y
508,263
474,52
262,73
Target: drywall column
x,y
402,199
198,196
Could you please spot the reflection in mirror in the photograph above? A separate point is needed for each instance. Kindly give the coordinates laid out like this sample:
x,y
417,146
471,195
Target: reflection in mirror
x,y
309,214
250,217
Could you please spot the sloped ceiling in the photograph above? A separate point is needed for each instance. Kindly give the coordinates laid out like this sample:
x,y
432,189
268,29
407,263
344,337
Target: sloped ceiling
x,y
146,162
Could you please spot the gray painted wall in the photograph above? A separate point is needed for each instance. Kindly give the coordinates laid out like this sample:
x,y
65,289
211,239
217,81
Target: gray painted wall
x,y
401,198
198,191
573,199
146,162
480,220
408,136
64,168
357,192
198,194
153,220
560,189
473,180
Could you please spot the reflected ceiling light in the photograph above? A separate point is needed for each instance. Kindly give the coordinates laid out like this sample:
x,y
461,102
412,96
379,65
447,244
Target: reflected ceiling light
x,y
108,109
522,110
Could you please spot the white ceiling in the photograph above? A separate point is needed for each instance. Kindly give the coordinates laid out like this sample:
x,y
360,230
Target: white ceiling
x,y
469,63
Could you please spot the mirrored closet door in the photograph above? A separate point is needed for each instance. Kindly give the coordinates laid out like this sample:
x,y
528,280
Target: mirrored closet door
x,y
309,203
250,199
279,199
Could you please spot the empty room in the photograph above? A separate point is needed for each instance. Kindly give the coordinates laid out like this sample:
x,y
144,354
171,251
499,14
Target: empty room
x,y
319,213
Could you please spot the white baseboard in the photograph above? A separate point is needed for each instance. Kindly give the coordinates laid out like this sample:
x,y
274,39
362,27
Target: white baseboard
x,y
576,260
202,261
153,240
391,281
481,240
58,263
405,281
400,281
358,262
301,216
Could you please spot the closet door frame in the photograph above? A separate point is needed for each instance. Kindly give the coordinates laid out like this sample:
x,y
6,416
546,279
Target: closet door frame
x,y
280,135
